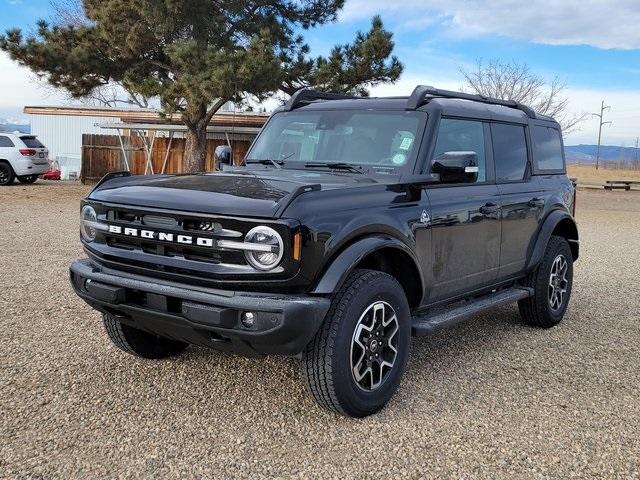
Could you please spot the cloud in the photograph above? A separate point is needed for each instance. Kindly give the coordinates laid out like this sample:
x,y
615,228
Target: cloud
x,y
624,112
598,23
20,87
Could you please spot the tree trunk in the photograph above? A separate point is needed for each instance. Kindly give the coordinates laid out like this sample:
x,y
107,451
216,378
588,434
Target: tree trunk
x,y
195,148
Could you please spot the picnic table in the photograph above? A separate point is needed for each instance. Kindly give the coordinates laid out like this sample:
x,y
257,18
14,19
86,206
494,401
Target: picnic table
x,y
620,184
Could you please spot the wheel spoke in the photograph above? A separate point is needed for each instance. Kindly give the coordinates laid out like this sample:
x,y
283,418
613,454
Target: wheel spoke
x,y
374,345
558,283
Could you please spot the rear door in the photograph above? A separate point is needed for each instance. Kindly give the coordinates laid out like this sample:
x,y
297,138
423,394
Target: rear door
x,y
465,217
521,198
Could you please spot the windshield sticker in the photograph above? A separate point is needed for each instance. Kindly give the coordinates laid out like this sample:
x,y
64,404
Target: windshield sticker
x,y
399,159
406,143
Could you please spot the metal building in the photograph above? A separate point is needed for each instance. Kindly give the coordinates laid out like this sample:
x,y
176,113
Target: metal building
x,y
61,128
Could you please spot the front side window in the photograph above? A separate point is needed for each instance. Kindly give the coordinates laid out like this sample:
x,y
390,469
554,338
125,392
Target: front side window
x,y
547,148
385,139
462,136
6,142
509,151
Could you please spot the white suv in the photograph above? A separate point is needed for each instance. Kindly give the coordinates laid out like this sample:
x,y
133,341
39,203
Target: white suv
x,y
22,156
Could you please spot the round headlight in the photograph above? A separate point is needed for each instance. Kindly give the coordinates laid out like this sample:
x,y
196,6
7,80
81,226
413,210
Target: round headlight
x,y
88,220
269,258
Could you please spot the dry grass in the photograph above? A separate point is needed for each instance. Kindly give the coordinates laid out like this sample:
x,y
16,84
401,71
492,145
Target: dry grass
x,y
589,174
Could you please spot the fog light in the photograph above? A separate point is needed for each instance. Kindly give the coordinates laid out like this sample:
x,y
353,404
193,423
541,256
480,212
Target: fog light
x,y
248,319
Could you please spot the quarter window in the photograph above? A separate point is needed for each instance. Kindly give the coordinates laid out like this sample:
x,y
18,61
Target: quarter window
x,y
462,136
509,151
547,148
6,142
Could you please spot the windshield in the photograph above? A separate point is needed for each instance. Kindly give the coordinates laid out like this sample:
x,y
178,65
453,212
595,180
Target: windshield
x,y
383,140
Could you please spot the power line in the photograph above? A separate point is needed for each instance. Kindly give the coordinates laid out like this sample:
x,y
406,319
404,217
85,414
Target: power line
x,y
602,122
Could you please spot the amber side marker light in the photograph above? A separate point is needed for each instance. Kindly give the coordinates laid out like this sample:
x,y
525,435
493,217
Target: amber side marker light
x,y
297,242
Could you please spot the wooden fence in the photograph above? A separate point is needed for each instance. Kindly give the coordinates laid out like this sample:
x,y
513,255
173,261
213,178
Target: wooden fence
x,y
103,153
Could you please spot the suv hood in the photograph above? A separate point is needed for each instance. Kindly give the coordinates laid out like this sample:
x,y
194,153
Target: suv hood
x,y
243,192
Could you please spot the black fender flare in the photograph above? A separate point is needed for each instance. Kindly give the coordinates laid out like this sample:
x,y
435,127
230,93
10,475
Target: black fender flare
x,y
345,262
546,230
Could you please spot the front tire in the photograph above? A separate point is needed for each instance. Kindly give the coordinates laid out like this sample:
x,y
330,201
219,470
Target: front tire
x,y
6,174
551,283
139,343
354,363
28,179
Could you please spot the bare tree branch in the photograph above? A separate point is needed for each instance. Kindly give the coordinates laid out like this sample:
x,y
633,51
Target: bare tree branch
x,y
516,81
68,12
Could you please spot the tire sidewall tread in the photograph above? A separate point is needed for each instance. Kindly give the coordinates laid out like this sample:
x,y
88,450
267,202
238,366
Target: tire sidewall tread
x,y
536,310
326,360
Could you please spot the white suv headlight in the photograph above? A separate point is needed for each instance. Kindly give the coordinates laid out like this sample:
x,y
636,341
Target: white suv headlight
x,y
88,222
264,260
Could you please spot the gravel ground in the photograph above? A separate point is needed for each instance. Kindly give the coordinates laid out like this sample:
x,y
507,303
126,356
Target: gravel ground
x,y
488,399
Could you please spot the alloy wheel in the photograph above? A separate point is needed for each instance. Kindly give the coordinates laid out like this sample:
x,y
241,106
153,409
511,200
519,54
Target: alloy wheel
x,y
374,347
4,174
558,282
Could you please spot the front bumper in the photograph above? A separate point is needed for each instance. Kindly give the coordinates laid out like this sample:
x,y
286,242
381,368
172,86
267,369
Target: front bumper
x,y
204,316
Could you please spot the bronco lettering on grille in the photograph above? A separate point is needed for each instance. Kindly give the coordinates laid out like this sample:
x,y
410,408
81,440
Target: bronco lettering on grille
x,y
161,236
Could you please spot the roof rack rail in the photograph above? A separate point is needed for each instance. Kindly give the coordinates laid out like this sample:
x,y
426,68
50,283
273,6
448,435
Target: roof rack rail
x,y
306,95
421,95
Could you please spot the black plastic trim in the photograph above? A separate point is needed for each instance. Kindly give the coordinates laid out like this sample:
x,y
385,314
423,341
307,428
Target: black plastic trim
x,y
421,95
306,95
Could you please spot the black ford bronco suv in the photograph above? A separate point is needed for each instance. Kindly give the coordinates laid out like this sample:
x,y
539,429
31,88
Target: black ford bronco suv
x,y
352,225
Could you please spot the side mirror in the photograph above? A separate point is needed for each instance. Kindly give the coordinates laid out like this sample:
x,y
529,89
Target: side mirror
x,y
223,155
456,167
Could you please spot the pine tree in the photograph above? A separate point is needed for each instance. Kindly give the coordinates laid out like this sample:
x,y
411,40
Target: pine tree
x,y
196,55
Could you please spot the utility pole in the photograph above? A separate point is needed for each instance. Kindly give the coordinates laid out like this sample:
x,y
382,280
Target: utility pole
x,y
636,162
602,122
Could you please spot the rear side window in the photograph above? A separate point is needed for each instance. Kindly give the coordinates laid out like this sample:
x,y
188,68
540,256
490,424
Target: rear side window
x,y
462,135
5,142
32,142
509,151
547,148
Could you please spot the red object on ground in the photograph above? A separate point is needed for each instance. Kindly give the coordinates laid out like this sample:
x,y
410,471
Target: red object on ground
x,y
51,174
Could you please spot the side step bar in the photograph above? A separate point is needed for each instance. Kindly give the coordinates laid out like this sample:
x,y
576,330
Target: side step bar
x,y
428,323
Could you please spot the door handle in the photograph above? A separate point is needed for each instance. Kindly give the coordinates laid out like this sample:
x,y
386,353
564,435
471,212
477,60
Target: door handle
x,y
489,208
536,203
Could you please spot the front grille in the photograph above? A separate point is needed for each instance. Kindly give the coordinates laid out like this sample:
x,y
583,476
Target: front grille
x,y
210,261
209,229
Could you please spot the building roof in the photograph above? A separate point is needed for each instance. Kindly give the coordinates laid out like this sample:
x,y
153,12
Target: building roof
x,y
146,115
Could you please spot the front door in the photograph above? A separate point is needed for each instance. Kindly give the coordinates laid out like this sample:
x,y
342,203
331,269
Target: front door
x,y
465,218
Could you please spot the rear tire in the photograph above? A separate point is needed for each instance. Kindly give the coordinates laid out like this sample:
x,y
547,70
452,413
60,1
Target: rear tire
x,y
354,363
551,282
6,174
28,179
139,343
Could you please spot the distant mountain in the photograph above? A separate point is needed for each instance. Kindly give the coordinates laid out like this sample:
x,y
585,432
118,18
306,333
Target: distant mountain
x,y
14,125
587,153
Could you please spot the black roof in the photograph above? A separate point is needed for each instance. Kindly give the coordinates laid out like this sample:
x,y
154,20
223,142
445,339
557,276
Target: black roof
x,y
423,99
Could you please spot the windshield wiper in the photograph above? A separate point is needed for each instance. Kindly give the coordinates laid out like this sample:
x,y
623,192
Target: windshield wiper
x,y
335,166
268,161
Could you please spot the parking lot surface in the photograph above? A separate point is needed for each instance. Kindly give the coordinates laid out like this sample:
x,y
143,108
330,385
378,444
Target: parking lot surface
x,y
491,398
